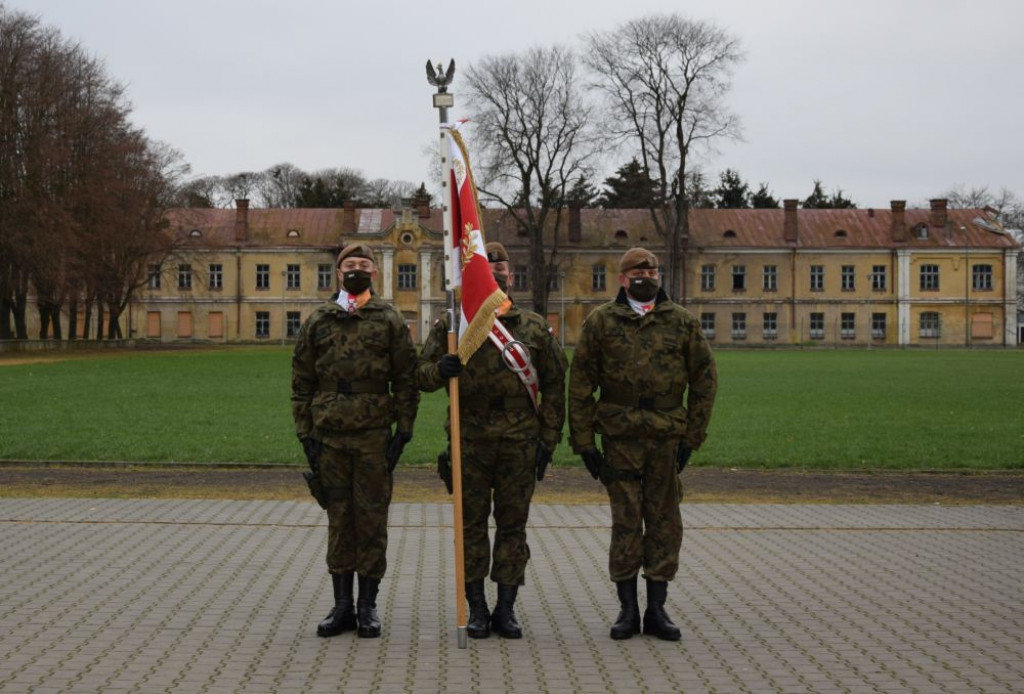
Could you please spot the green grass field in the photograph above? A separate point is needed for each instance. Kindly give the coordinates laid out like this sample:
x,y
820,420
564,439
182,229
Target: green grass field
x,y
878,409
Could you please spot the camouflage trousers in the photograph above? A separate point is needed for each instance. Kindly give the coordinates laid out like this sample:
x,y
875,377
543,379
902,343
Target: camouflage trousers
x,y
505,469
647,525
358,487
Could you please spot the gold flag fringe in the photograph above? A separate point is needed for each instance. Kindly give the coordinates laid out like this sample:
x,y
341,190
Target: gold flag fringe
x,y
480,327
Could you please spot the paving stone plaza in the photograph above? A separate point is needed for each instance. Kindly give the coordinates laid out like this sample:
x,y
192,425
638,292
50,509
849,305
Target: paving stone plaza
x,y
224,596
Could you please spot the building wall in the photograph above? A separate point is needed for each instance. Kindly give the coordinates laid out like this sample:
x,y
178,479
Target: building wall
x,y
230,313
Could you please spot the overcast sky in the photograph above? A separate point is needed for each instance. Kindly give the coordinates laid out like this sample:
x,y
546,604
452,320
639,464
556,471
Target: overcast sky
x,y
886,99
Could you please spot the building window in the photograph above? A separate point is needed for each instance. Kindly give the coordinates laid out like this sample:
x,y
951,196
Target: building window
x,y
878,278
848,326
982,278
215,329
154,277
771,278
878,326
707,325
293,322
293,276
184,324
263,324
522,281
406,276
817,278
184,276
817,326
739,278
553,278
771,326
262,277
324,276
739,326
597,278
216,276
982,327
929,324
929,277
707,278
849,283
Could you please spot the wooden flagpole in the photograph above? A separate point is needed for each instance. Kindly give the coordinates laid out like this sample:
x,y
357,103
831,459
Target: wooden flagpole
x,y
442,101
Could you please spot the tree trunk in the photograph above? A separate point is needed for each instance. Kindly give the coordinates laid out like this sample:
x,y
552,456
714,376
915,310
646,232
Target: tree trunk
x,y
73,320
539,270
19,308
55,321
44,320
88,319
5,319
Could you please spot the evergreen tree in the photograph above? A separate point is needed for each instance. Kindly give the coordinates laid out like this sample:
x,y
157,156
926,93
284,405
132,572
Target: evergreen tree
x,y
818,200
732,193
582,193
697,192
630,188
763,199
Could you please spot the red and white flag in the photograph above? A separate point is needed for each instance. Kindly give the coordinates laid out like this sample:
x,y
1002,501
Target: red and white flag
x,y
468,268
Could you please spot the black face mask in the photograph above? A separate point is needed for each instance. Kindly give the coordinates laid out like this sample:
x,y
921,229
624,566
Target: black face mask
x,y
643,288
502,281
356,282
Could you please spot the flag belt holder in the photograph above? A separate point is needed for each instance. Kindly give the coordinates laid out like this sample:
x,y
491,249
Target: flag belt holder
x,y
516,357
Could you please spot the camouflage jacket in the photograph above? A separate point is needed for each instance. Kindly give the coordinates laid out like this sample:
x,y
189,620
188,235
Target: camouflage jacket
x,y
352,372
629,358
486,376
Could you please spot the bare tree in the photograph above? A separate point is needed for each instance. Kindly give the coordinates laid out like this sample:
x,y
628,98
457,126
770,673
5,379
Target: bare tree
x,y
534,137
80,190
1008,210
663,78
279,185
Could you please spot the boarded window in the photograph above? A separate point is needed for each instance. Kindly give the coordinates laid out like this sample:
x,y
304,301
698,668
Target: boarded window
x,y
981,326
153,324
216,324
184,324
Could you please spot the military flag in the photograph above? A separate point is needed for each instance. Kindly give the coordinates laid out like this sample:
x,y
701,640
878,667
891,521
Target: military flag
x,y
468,269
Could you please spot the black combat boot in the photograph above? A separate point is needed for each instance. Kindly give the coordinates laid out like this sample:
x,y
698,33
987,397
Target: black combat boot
x,y
366,606
479,626
342,616
656,621
628,622
503,620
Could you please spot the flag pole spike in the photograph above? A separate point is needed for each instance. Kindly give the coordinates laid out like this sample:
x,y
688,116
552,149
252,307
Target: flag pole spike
x,y
442,101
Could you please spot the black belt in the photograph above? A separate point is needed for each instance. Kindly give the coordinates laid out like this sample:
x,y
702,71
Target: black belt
x,y
497,404
357,388
650,402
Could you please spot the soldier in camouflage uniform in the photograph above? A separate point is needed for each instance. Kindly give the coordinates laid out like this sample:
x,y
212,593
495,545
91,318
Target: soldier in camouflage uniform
x,y
506,447
642,351
353,377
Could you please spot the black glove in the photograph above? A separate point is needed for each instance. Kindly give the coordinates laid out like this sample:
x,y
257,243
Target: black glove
x,y
543,458
395,447
594,461
444,468
449,366
683,455
313,448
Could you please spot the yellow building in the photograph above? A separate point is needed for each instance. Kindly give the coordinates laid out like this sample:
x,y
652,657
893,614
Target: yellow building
x,y
754,277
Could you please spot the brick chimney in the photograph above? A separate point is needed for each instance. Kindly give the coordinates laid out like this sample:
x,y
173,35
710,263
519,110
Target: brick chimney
x,y
789,227
348,219
575,225
420,202
938,212
241,220
899,222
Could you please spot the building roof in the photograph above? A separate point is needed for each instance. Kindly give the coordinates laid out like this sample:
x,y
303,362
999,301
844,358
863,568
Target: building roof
x,y
331,228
